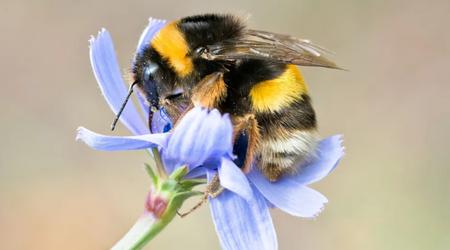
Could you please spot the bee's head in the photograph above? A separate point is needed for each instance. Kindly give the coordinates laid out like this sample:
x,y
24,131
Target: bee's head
x,y
168,68
154,77
172,62
159,84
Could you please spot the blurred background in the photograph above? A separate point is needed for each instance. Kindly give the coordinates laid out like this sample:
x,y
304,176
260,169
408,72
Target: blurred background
x,y
391,191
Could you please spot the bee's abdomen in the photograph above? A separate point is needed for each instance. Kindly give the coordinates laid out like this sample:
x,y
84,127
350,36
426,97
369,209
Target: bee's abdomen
x,y
273,95
280,156
298,115
288,138
277,95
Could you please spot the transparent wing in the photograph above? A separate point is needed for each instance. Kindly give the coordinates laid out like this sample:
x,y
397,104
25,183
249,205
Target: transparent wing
x,y
270,46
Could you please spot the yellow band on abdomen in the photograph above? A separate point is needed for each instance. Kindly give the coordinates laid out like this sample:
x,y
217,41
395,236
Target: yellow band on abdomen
x,y
273,95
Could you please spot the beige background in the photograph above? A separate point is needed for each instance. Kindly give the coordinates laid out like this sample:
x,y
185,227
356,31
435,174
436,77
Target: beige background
x,y
390,192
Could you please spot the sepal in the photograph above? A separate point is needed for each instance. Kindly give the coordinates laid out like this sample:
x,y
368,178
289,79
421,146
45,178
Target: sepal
x,y
166,196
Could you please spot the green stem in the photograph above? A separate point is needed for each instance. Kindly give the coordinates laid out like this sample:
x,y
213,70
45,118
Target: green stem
x,y
159,166
144,230
154,230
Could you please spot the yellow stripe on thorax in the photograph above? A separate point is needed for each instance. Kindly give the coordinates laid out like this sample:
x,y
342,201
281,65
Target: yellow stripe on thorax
x,y
273,95
171,45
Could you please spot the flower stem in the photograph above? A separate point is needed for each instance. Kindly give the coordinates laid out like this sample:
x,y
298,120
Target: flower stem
x,y
159,166
144,230
154,230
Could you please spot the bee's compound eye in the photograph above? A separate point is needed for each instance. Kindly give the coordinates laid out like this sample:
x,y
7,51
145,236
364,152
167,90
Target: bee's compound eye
x,y
149,70
149,83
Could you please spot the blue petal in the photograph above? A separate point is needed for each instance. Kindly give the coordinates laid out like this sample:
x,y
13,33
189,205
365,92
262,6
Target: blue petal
x,y
214,138
113,143
199,137
177,152
329,152
108,75
154,25
242,225
199,172
288,195
232,178
297,199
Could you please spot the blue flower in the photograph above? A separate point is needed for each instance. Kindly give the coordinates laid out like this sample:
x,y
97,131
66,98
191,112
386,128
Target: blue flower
x,y
203,141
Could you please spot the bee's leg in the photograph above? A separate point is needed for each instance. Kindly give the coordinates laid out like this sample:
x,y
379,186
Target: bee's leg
x,y
206,93
249,124
199,204
253,141
213,189
210,91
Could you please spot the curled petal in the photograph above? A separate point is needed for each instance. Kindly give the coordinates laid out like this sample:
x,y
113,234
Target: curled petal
x,y
329,152
200,136
107,72
289,195
242,225
232,178
114,143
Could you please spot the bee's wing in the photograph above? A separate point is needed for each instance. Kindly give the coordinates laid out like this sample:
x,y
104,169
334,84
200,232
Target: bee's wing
x,y
270,46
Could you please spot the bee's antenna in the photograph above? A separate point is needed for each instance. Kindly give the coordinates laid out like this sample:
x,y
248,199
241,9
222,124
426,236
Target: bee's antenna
x,y
116,119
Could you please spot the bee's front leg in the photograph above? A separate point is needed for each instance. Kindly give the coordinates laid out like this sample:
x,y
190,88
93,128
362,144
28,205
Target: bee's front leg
x,y
207,93
210,91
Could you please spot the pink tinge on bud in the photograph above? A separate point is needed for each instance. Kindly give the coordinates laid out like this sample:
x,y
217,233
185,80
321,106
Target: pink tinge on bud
x,y
159,206
155,205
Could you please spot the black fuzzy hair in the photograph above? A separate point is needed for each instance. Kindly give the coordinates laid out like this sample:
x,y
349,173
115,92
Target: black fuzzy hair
x,y
201,30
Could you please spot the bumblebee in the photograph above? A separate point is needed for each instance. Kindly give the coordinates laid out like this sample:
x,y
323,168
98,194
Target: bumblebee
x,y
215,61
